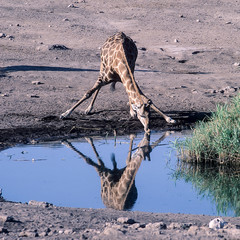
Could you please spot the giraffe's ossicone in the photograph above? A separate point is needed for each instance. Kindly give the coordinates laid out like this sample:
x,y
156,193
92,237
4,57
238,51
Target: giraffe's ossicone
x,y
118,57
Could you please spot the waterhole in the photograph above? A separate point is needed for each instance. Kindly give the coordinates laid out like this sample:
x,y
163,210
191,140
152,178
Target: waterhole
x,y
132,172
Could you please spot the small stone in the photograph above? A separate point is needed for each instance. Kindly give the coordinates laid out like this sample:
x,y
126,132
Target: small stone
x,y
40,204
126,220
34,96
216,223
193,230
65,20
68,231
143,49
4,218
181,16
10,37
3,230
229,22
2,35
71,5
194,91
37,83
157,225
4,95
198,20
58,47
176,40
212,91
114,233
236,64
28,233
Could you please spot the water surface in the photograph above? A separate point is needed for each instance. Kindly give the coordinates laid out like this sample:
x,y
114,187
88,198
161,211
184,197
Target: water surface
x,y
57,173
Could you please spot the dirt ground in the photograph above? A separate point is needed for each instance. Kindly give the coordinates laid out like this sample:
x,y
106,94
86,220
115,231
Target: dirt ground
x,y
188,61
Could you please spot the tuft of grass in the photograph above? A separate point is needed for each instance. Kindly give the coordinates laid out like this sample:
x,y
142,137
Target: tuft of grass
x,y
217,139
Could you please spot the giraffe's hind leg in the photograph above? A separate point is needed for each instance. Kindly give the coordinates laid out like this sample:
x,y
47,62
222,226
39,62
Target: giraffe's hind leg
x,y
95,89
89,108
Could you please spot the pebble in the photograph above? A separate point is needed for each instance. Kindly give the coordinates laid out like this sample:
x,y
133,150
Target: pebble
x,y
68,231
10,37
236,64
176,40
216,223
71,5
158,225
126,220
58,47
40,204
4,218
29,233
3,230
65,20
194,91
2,35
37,83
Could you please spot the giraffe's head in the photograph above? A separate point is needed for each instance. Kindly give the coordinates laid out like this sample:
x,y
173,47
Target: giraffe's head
x,y
143,114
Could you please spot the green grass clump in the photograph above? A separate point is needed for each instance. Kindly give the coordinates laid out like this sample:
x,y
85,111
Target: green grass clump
x,y
218,139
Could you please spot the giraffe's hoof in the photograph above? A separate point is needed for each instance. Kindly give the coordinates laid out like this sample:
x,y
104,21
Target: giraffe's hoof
x,y
88,110
66,114
170,120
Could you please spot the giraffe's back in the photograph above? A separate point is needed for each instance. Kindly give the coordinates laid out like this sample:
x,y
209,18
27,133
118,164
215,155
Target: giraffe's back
x,y
112,53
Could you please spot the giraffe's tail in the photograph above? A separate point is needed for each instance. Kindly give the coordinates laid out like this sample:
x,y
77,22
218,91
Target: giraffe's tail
x,y
112,87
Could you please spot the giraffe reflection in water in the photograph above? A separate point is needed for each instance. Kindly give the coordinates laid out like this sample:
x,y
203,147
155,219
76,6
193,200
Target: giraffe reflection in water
x,y
118,190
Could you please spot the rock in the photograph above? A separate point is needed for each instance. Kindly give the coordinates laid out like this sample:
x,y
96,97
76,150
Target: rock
x,y
29,233
193,230
10,37
216,223
157,225
2,35
236,64
34,96
68,231
143,49
4,218
183,226
114,233
126,220
194,91
176,40
71,6
3,230
40,204
37,82
58,47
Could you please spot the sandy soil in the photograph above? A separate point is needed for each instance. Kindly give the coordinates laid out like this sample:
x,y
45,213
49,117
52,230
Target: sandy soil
x,y
188,62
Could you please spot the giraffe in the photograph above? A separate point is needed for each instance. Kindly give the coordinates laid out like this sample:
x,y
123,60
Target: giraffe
x,y
118,190
118,57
